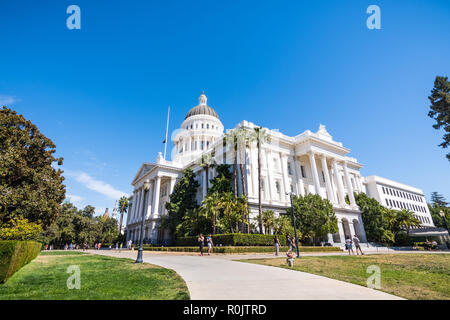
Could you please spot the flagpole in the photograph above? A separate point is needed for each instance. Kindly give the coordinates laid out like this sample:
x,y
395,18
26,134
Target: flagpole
x,y
167,130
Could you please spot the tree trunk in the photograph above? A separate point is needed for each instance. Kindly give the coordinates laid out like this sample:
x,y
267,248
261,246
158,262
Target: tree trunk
x,y
259,187
121,220
244,191
207,177
235,178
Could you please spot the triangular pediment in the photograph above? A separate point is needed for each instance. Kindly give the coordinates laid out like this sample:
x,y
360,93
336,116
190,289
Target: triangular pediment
x,y
145,167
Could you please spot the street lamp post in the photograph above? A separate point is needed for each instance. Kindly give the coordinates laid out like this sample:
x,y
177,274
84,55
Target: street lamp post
x,y
295,225
141,238
442,214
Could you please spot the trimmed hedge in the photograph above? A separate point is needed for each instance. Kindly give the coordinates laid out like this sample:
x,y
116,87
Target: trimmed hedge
x,y
235,239
14,255
242,249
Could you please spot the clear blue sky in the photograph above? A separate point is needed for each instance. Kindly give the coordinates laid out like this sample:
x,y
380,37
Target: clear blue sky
x,y
101,93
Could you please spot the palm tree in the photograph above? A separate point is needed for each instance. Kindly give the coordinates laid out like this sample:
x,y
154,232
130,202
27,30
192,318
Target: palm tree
x,y
210,207
123,206
232,137
407,219
206,162
268,217
242,208
260,136
228,204
243,141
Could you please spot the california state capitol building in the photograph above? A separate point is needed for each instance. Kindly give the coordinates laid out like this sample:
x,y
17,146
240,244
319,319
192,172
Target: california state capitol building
x,y
310,162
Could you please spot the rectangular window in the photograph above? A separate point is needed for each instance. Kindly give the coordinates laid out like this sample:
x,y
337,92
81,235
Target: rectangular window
x,y
289,168
323,177
302,168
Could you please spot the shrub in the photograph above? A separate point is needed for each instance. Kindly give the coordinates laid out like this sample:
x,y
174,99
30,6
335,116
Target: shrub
x,y
14,255
20,229
235,239
242,249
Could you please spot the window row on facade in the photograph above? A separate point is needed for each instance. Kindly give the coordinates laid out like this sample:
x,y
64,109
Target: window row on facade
x,y
405,205
401,194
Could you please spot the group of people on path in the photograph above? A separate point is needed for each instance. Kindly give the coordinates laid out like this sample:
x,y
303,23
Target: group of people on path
x,y
349,245
291,243
201,243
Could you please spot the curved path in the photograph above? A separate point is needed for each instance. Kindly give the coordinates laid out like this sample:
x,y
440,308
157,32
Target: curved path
x,y
213,277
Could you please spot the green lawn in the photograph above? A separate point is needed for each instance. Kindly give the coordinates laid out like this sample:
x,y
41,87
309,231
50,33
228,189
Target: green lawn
x,y
412,276
60,253
102,278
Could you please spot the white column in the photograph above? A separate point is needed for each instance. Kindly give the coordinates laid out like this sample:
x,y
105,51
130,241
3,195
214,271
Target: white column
x,y
269,175
172,184
149,202
341,231
327,179
131,209
349,185
138,205
248,172
156,196
287,188
300,184
315,174
338,179
141,205
254,170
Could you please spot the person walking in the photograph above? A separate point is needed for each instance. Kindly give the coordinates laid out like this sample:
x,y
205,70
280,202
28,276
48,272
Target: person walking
x,y
288,242
293,245
276,242
201,242
357,244
348,245
210,243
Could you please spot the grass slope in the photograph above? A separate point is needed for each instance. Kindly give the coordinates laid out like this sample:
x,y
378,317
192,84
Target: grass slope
x,y
412,276
102,278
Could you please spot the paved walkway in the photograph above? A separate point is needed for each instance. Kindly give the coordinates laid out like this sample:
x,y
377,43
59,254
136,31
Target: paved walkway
x,y
213,277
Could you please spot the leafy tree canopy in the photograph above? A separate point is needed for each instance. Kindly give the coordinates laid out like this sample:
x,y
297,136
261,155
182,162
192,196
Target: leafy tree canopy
x,y
182,201
30,187
440,108
438,200
314,215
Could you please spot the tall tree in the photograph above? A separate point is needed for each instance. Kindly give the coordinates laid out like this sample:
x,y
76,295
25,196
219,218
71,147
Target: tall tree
x,y
260,136
182,200
206,162
30,186
123,207
231,138
268,218
406,219
210,208
221,183
438,200
440,108
315,216
372,216
243,142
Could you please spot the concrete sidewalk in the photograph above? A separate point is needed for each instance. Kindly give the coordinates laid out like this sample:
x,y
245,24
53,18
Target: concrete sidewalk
x,y
213,277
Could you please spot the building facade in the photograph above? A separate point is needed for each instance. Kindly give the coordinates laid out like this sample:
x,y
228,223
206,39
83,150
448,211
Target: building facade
x,y
310,162
395,195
